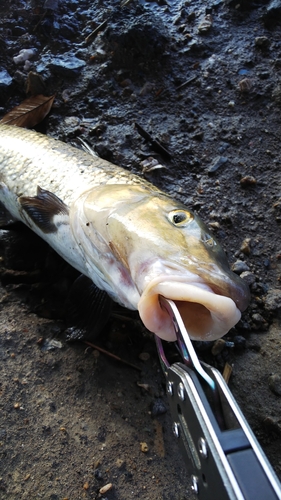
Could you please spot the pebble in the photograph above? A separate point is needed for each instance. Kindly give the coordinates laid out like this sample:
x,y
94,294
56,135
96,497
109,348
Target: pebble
x,y
147,88
245,246
144,447
205,25
258,319
239,267
5,78
218,346
274,383
248,277
262,42
217,163
50,344
24,55
98,474
247,181
66,65
272,301
245,85
144,356
106,488
72,121
158,407
120,463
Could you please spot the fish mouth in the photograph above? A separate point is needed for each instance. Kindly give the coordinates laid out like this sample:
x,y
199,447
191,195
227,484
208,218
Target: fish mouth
x,y
207,315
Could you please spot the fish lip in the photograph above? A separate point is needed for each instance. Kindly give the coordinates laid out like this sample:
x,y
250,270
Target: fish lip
x,y
217,283
207,315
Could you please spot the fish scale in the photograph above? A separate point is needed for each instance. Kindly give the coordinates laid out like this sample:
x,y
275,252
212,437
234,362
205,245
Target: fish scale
x,y
29,159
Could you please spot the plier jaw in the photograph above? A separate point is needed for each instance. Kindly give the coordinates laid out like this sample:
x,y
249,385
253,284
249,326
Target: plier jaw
x,y
219,448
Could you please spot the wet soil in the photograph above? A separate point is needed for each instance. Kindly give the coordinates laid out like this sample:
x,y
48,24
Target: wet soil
x,y
202,78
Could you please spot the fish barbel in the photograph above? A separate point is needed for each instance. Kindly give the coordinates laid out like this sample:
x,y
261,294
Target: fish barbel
x,y
131,239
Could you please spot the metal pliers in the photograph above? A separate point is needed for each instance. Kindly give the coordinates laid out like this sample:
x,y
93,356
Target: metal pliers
x,y
220,450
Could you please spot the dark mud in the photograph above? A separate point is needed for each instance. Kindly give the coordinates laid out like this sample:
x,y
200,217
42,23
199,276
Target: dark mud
x,y
208,89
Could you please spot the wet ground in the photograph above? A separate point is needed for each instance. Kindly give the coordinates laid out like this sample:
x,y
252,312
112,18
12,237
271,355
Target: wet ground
x,y
203,79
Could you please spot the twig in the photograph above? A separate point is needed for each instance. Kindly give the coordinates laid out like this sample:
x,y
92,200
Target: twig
x,y
125,2
155,144
112,355
184,84
96,30
191,79
227,371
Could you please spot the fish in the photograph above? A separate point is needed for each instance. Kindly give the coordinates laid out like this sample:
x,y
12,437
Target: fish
x,y
130,238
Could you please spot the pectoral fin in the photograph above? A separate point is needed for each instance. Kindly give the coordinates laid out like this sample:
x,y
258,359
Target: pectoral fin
x,y
88,307
46,210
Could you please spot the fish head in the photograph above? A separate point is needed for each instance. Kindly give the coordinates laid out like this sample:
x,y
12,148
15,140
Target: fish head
x,y
159,247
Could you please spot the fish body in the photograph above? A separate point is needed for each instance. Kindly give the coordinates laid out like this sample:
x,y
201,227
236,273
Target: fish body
x,y
130,238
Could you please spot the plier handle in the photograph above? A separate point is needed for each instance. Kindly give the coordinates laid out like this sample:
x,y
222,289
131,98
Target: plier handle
x,y
219,448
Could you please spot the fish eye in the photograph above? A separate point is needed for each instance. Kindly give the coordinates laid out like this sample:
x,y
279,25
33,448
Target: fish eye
x,y
180,218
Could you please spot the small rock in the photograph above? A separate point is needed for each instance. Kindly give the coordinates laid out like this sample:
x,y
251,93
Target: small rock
x,y
72,121
120,463
274,383
66,65
245,85
144,356
24,55
98,474
245,246
205,25
147,88
19,77
239,267
50,344
217,163
247,181
106,488
5,78
272,301
218,346
158,408
258,319
248,277
144,447
262,42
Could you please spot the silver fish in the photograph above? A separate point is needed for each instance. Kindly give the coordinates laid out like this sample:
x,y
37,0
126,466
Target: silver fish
x,y
134,241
